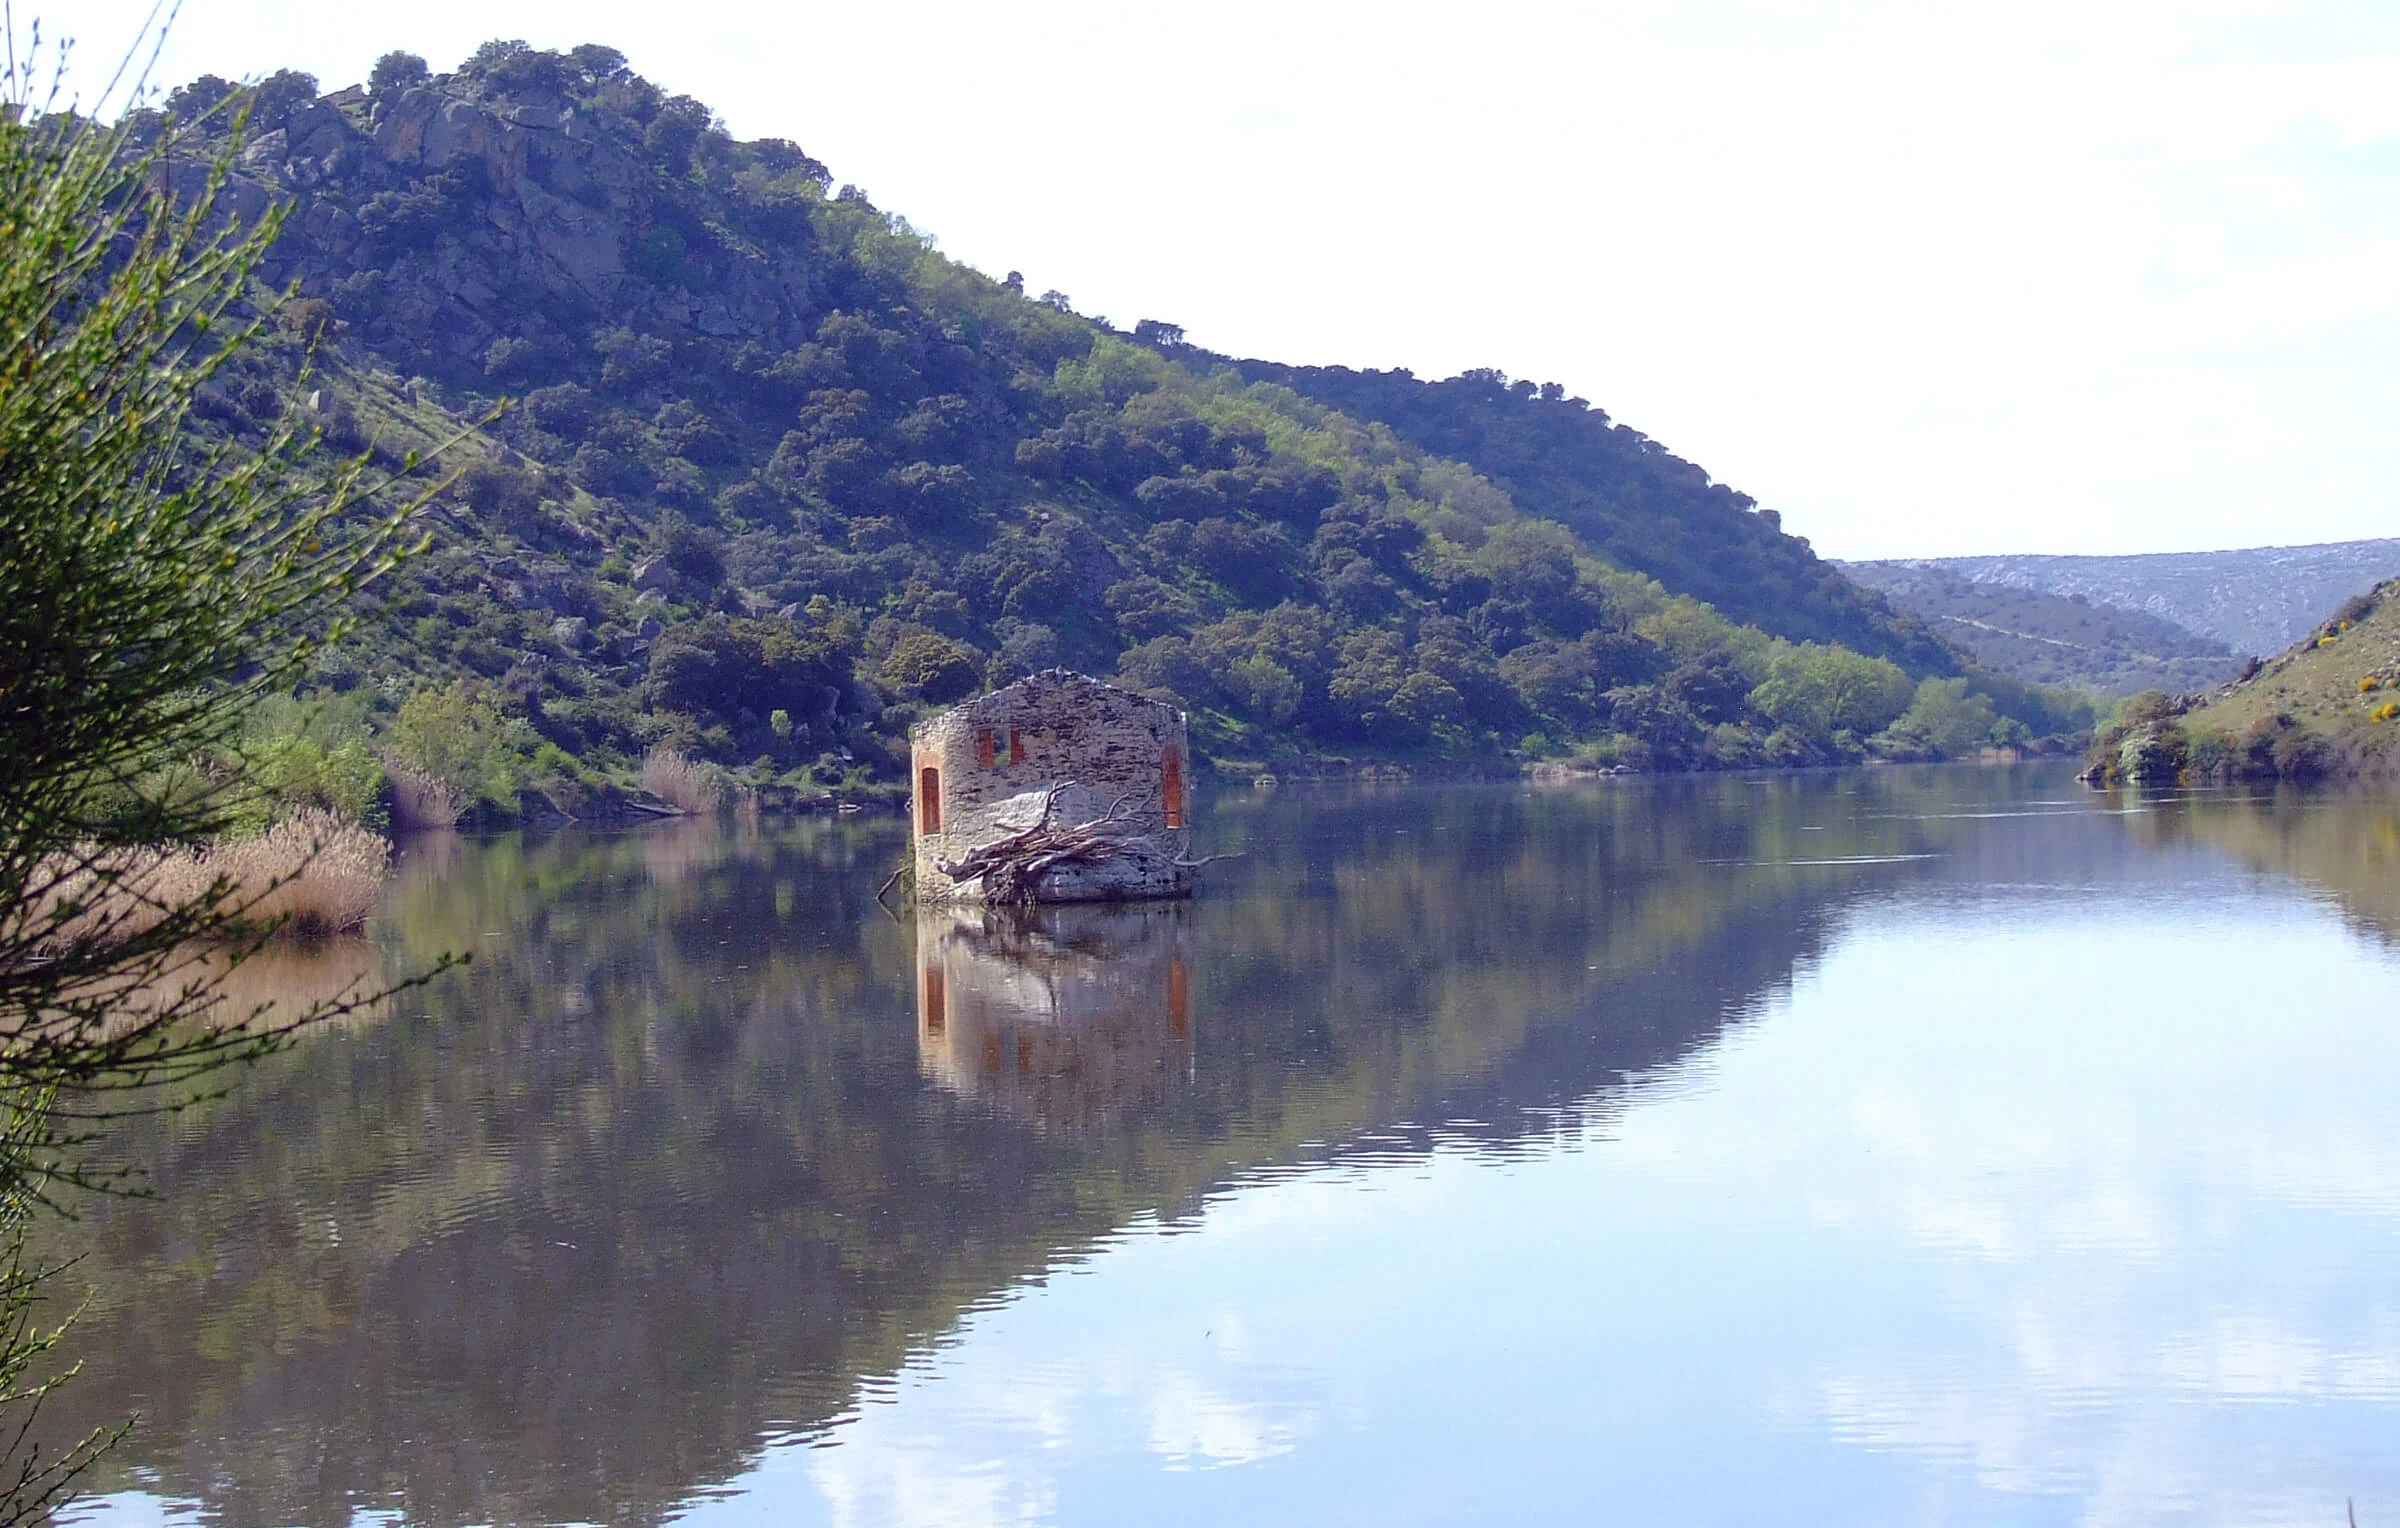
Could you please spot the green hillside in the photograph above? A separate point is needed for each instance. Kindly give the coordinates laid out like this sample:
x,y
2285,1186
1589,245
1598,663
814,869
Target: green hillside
x,y
2330,706
775,477
2051,638
1629,498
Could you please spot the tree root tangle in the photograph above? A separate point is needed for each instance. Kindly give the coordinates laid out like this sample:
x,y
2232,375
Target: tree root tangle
x,y
1011,868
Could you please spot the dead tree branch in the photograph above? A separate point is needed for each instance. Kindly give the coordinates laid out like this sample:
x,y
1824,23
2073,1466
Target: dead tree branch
x,y
1011,867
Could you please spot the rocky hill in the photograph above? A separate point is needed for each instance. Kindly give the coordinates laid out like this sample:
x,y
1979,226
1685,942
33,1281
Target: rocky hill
x,y
2052,639
2328,706
774,476
2255,600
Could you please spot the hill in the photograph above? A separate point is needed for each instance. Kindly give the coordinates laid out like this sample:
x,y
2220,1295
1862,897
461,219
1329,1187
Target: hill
x,y
2050,638
776,476
1628,497
2330,706
2254,600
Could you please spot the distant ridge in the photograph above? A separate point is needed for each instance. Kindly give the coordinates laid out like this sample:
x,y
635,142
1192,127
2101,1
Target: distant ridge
x,y
2055,639
2255,600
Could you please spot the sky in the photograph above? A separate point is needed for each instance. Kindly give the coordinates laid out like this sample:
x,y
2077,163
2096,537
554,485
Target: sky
x,y
1929,279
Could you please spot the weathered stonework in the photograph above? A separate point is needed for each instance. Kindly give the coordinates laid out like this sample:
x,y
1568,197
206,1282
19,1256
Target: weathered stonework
x,y
1068,1017
981,771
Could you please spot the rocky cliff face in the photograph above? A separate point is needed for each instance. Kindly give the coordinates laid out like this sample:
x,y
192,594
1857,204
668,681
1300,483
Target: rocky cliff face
x,y
431,215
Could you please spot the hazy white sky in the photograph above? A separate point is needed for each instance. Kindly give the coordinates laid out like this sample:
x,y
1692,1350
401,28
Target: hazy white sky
x,y
2104,276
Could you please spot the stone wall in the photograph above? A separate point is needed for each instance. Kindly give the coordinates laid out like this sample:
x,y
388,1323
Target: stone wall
x,y
979,772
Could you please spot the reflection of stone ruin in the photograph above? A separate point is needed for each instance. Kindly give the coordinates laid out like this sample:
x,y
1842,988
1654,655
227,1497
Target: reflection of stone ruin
x,y
1058,788
1068,1016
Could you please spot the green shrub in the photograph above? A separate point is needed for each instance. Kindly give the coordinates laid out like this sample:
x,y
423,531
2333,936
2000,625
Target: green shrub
x,y
932,666
2300,755
346,779
453,735
302,753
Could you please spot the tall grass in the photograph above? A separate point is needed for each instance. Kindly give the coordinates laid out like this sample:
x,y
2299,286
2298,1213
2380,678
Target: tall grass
x,y
682,782
420,800
311,874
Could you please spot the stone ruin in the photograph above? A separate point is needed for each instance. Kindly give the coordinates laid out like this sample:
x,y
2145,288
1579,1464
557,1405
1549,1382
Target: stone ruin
x,y
1058,788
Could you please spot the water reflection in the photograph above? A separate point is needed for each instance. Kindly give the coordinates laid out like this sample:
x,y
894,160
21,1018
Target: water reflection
x,y
703,1146
1066,1016
2344,844
279,983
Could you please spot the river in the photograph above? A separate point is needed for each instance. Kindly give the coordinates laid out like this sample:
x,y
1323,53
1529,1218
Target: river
x,y
1938,1145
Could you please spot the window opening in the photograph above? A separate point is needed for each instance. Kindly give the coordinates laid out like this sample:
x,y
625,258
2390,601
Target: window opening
x,y
1171,791
929,800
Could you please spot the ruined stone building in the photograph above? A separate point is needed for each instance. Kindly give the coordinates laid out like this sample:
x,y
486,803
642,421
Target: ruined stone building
x,y
1068,746
1066,1017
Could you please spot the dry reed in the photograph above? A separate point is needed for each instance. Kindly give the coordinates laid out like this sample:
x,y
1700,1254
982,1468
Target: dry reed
x,y
310,874
681,782
421,801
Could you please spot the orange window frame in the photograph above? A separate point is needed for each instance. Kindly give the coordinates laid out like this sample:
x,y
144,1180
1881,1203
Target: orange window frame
x,y
937,1001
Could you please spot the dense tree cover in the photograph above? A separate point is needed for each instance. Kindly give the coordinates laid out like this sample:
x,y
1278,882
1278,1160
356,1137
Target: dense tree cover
x,y
1634,502
772,455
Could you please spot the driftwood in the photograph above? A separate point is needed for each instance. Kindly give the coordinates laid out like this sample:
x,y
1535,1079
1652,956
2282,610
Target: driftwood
x,y
1011,867
889,882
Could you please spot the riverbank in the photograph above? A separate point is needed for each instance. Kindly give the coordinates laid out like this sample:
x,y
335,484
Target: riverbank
x,y
2326,708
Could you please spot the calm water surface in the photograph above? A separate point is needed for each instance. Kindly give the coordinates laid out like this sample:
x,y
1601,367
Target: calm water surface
x,y
1940,1146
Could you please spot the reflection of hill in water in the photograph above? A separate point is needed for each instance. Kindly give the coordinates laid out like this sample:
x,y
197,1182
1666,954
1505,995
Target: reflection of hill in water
x,y
670,1166
2346,842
